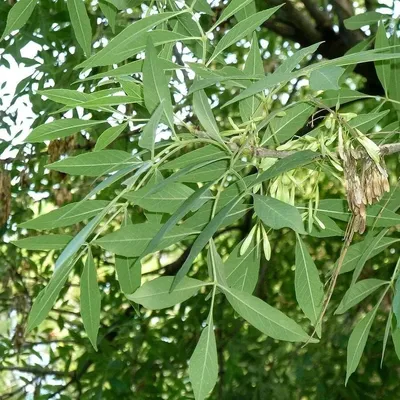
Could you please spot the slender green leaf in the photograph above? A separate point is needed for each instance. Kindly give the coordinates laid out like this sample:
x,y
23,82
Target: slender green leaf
x,y
357,342
265,318
358,292
129,273
166,200
206,234
308,286
203,364
96,163
283,128
148,137
383,68
291,62
156,294
44,242
277,214
59,129
386,335
18,16
81,24
108,136
110,12
366,18
254,65
216,265
242,29
66,215
326,78
242,271
331,97
202,110
90,300
203,154
232,8
396,299
338,209
155,85
124,45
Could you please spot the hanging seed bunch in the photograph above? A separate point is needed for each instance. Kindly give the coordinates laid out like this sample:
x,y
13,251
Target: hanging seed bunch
x,y
366,178
5,197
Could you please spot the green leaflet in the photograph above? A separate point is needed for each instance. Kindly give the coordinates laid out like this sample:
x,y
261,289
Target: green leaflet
x,y
66,215
357,342
396,298
155,85
242,271
265,318
202,154
129,273
148,137
203,238
112,101
90,300
232,8
364,122
331,97
394,87
203,112
355,252
242,29
166,200
277,214
184,208
128,269
308,286
18,16
326,78
64,264
125,43
59,129
108,136
383,68
131,88
245,12
276,78
132,240
337,209
366,18
44,242
203,364
283,128
358,292
291,62
110,12
371,241
254,65
216,266
131,68
81,24
95,164
156,294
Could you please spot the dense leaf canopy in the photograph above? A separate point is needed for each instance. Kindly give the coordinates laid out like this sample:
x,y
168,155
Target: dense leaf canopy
x,y
200,199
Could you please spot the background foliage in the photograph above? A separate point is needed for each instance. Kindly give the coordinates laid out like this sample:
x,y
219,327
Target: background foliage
x,y
143,353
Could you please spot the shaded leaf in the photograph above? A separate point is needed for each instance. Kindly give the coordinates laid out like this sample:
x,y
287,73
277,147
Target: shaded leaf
x,y
108,136
81,24
66,215
326,78
148,137
90,300
96,163
203,364
308,286
277,214
59,129
366,18
156,294
265,318
44,242
358,292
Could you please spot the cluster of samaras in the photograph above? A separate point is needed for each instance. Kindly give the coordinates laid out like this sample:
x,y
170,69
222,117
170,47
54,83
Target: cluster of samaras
x,y
366,182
